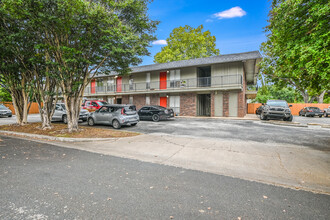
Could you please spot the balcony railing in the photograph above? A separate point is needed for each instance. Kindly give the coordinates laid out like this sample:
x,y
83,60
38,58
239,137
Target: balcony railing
x,y
182,84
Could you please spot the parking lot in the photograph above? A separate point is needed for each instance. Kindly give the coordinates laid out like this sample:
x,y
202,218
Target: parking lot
x,y
249,130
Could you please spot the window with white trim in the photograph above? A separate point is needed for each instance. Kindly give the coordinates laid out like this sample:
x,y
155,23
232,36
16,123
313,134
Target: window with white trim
x,y
130,100
175,104
175,78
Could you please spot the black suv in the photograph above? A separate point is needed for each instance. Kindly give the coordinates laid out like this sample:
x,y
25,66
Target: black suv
x,y
276,109
155,113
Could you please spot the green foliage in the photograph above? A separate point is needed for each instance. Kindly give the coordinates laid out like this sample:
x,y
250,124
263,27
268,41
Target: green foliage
x,y
4,95
187,43
296,52
288,94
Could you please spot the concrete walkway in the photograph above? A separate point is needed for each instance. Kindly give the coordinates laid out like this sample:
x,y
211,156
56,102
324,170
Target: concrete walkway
x,y
286,165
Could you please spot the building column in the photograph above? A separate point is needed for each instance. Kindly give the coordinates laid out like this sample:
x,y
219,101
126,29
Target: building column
x,y
226,104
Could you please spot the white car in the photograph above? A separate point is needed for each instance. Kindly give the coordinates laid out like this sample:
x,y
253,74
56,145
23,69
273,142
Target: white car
x,y
4,111
60,113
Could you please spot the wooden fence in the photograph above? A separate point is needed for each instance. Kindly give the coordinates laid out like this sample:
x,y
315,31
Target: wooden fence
x,y
296,107
33,109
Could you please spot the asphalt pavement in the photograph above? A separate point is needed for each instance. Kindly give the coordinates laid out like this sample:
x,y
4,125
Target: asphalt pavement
x,y
242,130
43,181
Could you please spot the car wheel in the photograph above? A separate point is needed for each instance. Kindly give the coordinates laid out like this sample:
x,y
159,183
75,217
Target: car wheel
x,y
263,117
133,124
155,117
10,116
290,119
65,119
325,115
116,124
91,122
320,116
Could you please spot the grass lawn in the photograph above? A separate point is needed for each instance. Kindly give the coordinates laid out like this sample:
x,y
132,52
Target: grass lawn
x,y
60,130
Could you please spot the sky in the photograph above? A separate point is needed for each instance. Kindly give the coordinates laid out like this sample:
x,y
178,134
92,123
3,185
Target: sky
x,y
236,24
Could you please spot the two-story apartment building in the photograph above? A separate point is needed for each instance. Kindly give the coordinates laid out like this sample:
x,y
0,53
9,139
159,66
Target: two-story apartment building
x,y
212,86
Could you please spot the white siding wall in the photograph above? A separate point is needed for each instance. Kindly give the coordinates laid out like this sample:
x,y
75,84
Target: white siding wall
x,y
218,105
233,104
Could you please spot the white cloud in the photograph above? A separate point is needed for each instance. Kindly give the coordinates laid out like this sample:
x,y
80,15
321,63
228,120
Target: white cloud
x,y
230,13
208,20
159,42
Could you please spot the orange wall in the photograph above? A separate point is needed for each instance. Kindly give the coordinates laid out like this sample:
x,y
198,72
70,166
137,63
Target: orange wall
x,y
33,109
296,107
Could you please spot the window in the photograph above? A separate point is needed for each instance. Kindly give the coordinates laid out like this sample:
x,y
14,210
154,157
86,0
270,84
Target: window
x,y
130,101
145,108
104,109
94,104
147,100
148,81
175,78
111,100
110,84
175,104
131,86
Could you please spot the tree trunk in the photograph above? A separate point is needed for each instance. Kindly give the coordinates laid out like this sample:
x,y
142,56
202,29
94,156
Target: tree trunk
x,y
45,117
21,105
320,97
73,105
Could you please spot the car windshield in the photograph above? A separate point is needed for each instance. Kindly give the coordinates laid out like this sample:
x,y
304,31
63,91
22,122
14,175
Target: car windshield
x,y
3,107
102,103
278,103
314,108
129,108
63,106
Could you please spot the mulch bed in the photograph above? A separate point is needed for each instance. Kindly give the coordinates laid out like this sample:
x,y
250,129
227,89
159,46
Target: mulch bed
x,y
60,130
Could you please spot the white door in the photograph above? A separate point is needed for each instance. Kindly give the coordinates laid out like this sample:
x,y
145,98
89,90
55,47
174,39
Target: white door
x,y
233,104
218,105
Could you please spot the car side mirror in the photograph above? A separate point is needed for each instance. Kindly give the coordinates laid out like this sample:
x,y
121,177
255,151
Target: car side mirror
x,y
290,106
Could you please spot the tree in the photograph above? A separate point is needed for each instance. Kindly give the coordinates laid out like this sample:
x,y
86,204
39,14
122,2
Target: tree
x,y
85,38
5,95
187,43
15,47
296,52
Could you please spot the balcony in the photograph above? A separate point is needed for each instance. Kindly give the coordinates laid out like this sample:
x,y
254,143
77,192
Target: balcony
x,y
193,84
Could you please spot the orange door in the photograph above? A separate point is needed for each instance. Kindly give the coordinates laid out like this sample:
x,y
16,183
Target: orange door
x,y
162,80
163,101
119,80
93,86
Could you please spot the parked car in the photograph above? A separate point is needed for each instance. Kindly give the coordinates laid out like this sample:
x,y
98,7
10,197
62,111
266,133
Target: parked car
x,y
155,113
92,105
311,112
4,111
259,110
276,109
327,112
61,115
116,115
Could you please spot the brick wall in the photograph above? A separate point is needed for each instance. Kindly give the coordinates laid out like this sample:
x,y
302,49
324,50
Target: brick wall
x,y
225,104
212,104
154,99
125,99
188,104
139,101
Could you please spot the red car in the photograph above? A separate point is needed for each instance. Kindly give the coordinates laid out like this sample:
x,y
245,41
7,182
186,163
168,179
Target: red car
x,y
92,105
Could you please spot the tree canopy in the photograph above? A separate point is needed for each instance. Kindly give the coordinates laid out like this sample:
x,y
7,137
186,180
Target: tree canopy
x,y
187,43
296,52
72,41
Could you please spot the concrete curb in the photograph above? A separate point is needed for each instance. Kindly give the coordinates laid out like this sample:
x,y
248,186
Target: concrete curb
x,y
285,124
63,139
224,118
